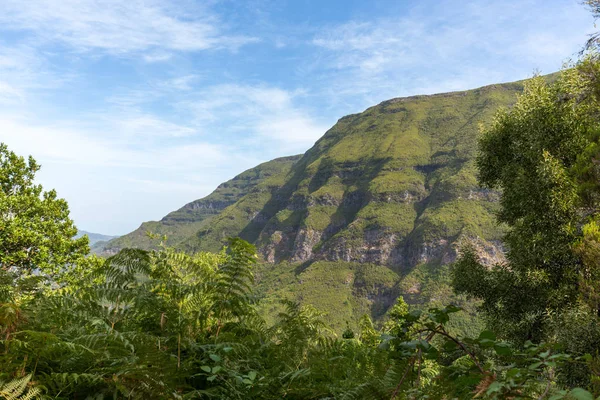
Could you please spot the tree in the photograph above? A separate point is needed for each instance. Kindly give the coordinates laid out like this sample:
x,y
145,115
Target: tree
x,y
594,39
542,156
36,232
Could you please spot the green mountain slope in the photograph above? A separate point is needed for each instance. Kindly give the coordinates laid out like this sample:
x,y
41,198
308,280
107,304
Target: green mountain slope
x,y
394,185
189,219
376,209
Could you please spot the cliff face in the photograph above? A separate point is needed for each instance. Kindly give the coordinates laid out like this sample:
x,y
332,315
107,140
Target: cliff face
x,y
394,185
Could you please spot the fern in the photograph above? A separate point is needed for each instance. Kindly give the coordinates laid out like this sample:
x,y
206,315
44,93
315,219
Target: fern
x,y
19,389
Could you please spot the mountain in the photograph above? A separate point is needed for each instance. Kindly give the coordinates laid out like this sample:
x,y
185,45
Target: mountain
x,y
376,208
394,185
94,238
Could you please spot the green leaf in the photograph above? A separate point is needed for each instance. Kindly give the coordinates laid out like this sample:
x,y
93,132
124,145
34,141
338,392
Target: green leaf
x,y
252,375
580,394
423,345
413,316
494,387
450,345
432,353
545,354
487,335
452,309
214,357
216,369
503,349
535,365
205,368
558,396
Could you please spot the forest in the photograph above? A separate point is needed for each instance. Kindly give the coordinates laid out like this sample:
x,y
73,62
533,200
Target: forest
x,y
169,324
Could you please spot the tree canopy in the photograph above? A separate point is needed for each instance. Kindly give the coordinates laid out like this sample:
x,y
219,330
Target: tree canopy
x,y
36,232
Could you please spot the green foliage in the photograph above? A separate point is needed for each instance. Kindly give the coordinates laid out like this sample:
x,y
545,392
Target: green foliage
x,y
164,324
543,157
35,230
533,154
19,389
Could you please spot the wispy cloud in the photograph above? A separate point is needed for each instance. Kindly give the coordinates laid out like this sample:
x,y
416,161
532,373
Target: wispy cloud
x,y
23,69
119,27
258,114
441,46
73,142
107,178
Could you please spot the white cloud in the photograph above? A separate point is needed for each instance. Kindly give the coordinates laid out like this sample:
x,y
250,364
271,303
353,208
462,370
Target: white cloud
x,y
10,93
118,27
71,142
23,70
259,113
114,182
147,126
180,83
157,57
452,45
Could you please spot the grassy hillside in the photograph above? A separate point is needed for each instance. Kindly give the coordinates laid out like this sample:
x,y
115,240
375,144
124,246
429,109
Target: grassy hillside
x,y
386,194
394,185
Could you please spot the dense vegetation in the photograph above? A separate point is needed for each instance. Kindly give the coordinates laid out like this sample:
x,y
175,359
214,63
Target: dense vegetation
x,y
164,324
167,324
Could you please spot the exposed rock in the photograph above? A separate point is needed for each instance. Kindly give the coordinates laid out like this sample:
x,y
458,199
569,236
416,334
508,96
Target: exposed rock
x,y
489,252
435,249
483,194
276,247
323,200
306,239
377,247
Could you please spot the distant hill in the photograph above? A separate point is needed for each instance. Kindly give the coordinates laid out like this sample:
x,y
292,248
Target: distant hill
x,y
95,238
375,209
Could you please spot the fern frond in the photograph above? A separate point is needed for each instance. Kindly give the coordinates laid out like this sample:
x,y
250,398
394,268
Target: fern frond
x,y
19,389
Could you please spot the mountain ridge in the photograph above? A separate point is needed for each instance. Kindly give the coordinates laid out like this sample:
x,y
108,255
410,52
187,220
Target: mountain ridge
x,y
95,238
313,189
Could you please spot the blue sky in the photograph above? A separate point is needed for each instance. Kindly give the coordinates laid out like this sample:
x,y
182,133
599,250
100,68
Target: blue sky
x,y
137,107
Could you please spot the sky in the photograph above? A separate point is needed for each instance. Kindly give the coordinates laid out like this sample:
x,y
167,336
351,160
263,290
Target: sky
x,y
135,108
